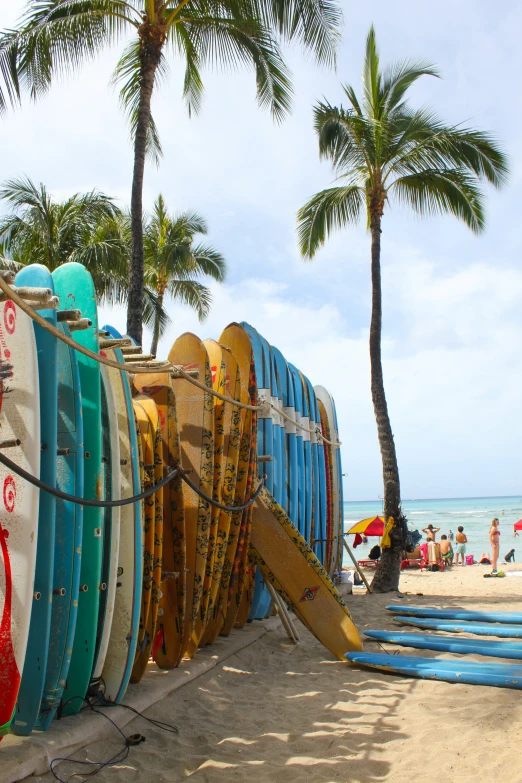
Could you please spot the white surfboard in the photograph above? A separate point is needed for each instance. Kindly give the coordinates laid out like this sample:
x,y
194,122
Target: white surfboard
x,y
19,419
115,468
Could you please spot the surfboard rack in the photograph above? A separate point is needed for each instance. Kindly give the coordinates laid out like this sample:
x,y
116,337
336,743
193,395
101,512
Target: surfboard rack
x,y
83,323
9,444
68,315
265,458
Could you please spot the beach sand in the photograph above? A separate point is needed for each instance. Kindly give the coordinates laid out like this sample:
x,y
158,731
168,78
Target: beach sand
x,y
276,713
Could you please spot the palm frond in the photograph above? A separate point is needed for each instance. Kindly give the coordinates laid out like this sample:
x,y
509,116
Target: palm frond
x,y
452,191
327,211
193,294
399,78
54,38
209,261
152,309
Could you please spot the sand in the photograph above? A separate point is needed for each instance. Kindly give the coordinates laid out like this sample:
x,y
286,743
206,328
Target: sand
x,y
276,713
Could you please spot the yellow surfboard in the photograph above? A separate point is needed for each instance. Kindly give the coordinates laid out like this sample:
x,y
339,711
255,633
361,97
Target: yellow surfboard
x,y
195,409
236,575
223,555
287,561
167,649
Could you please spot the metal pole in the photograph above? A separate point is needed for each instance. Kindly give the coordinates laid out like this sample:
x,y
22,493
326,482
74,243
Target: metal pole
x,y
356,564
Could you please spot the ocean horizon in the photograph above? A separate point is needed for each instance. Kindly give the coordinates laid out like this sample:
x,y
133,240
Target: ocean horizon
x,y
473,513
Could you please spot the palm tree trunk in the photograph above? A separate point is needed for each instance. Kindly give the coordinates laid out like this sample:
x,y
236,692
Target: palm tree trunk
x,y
388,572
155,335
151,40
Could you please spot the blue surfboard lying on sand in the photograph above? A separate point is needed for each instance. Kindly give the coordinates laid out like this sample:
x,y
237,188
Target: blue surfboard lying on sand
x,y
499,675
461,626
458,614
429,641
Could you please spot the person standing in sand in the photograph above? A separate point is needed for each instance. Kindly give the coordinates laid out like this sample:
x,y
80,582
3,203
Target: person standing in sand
x,y
494,539
446,550
431,532
460,549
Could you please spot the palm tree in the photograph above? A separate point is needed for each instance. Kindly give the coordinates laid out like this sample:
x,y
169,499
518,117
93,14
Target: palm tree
x,y
83,228
381,149
55,36
173,264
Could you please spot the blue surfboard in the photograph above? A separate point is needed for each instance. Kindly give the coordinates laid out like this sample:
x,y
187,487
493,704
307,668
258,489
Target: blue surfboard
x,y
68,538
290,448
33,674
499,675
264,447
463,626
457,614
440,643
111,331
301,486
308,464
318,521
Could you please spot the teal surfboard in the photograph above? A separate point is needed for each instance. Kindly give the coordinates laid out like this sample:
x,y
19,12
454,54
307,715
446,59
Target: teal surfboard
x,y
33,676
463,626
76,290
441,643
68,536
499,675
457,614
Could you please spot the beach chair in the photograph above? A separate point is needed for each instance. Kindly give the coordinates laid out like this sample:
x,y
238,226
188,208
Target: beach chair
x,y
368,563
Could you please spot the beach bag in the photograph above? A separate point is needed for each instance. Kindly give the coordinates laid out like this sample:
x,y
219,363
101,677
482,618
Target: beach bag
x,y
470,560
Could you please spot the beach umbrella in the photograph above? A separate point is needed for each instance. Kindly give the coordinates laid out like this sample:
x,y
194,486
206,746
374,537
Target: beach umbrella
x,y
518,525
372,526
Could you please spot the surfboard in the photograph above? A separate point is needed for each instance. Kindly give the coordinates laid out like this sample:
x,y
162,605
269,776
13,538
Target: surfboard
x,y
144,649
231,448
499,675
68,532
19,419
111,519
457,614
114,333
167,645
236,590
33,676
123,637
301,489
195,411
75,288
328,471
463,626
288,562
316,538
308,465
148,472
265,447
462,645
331,453
221,413
290,448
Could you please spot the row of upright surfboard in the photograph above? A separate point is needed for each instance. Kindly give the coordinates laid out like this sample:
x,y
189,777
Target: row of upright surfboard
x,y
89,594
478,624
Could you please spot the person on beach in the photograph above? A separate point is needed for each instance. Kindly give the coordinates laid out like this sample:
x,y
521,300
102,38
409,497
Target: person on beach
x,y
510,557
494,540
450,536
446,550
460,549
485,558
431,532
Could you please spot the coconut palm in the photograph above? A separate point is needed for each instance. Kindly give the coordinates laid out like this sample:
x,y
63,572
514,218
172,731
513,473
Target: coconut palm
x,y
55,36
383,150
173,263
83,228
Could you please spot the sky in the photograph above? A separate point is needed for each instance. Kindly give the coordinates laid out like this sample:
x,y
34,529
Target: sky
x,y
452,326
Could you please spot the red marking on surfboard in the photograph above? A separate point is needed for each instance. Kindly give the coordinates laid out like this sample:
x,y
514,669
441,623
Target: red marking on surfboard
x,y
10,317
9,494
161,417
213,371
309,594
9,674
102,353
158,642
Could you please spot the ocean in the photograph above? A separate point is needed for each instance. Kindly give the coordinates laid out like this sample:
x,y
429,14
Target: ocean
x,y
474,514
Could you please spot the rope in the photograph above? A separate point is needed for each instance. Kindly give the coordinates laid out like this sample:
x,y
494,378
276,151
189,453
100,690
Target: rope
x,y
134,368
84,501
177,372
124,501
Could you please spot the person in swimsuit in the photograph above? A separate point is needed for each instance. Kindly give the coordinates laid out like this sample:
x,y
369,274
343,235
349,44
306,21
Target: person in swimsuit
x,y
446,550
460,549
430,532
510,557
494,539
